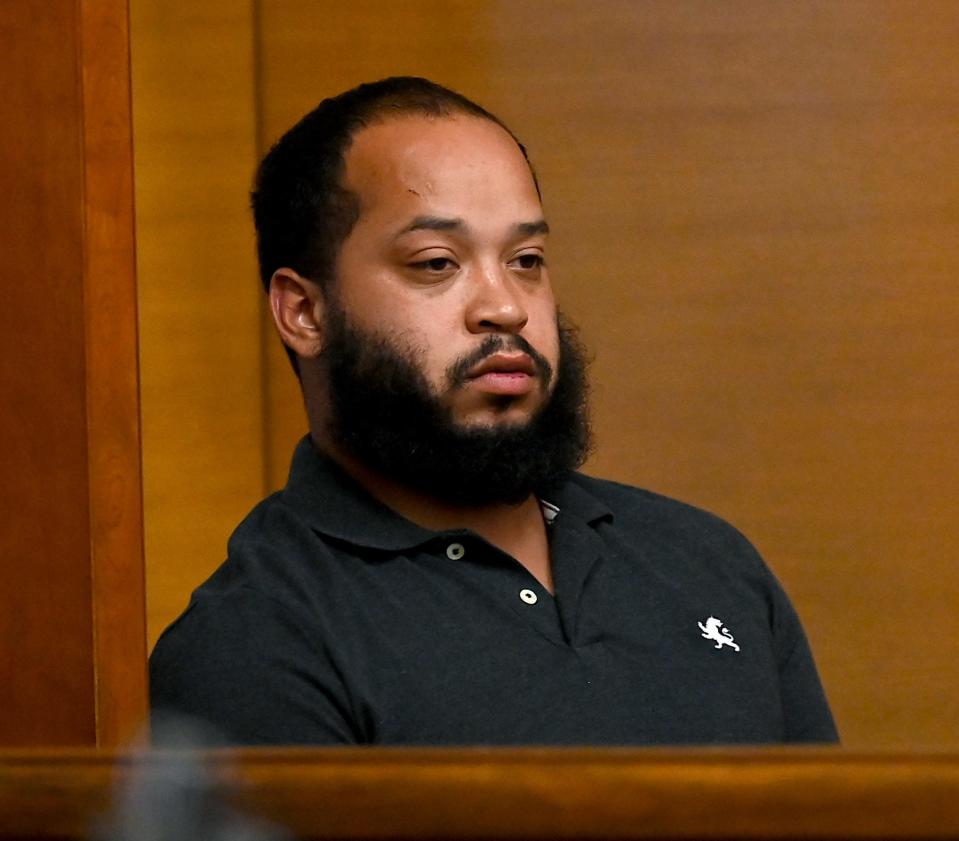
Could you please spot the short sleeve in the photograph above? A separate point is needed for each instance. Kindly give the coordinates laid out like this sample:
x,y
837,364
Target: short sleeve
x,y
806,713
250,673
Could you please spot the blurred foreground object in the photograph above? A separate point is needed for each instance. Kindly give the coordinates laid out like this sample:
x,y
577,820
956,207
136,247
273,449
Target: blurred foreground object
x,y
176,794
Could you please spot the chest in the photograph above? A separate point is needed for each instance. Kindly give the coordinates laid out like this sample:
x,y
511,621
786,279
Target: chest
x,y
484,653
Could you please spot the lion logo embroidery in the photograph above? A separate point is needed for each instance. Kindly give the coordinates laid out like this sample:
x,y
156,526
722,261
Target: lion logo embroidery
x,y
715,630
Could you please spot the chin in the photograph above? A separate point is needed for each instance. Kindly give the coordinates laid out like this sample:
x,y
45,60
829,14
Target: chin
x,y
498,410
496,418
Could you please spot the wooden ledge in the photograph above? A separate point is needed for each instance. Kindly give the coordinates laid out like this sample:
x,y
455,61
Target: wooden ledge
x,y
479,793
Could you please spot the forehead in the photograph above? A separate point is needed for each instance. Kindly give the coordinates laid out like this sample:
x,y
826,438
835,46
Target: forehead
x,y
458,166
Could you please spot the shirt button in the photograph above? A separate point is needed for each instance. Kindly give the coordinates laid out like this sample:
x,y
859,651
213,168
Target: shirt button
x,y
455,551
528,596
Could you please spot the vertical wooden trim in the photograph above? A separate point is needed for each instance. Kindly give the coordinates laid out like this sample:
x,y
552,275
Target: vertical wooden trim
x,y
113,427
267,334
200,400
46,640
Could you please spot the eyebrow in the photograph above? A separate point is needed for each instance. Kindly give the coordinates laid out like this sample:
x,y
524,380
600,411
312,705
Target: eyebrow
x,y
433,223
441,223
529,229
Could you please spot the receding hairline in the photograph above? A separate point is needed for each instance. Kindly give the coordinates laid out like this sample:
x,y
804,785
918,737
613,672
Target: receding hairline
x,y
455,113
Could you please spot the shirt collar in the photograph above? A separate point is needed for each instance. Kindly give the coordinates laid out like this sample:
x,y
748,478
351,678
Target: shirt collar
x,y
335,505
572,499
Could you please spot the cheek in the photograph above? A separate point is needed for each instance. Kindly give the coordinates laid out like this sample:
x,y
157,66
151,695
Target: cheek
x,y
374,305
546,340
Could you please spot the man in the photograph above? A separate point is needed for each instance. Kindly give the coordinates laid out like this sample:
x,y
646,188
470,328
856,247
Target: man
x,y
435,572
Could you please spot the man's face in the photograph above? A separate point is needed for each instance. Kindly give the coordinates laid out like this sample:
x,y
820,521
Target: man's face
x,y
447,252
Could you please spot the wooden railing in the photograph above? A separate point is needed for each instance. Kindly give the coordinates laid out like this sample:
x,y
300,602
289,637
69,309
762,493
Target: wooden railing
x,y
505,794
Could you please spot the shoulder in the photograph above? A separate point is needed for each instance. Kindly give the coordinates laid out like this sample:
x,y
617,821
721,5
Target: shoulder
x,y
273,555
264,592
689,549
622,496
255,610
649,515
694,549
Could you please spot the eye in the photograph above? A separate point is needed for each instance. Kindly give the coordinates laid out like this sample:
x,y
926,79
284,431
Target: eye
x,y
528,262
437,264
434,264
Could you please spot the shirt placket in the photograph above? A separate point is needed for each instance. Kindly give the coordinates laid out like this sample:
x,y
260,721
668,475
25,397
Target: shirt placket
x,y
508,582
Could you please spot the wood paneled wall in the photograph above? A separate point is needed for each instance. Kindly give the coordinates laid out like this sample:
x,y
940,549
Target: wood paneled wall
x,y
755,219
201,383
72,637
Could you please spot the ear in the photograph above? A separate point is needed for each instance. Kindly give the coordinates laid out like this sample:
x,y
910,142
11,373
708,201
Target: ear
x,y
297,306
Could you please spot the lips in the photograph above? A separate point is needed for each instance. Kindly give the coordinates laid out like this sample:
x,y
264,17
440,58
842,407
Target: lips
x,y
504,374
503,363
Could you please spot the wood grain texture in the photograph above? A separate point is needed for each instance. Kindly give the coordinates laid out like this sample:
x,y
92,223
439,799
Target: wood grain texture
x,y
199,298
513,794
46,640
113,418
72,668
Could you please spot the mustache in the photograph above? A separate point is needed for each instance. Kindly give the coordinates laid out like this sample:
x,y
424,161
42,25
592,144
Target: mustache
x,y
495,343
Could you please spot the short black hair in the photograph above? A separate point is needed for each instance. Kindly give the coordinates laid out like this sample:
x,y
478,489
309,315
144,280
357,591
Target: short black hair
x,y
301,210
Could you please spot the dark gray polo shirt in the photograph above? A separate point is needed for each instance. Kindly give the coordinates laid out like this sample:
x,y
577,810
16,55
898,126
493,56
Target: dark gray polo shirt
x,y
335,620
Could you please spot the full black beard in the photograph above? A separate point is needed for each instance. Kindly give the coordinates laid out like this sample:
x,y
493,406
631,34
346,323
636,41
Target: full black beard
x,y
384,413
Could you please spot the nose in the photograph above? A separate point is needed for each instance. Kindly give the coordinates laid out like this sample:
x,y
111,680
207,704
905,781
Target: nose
x,y
496,304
